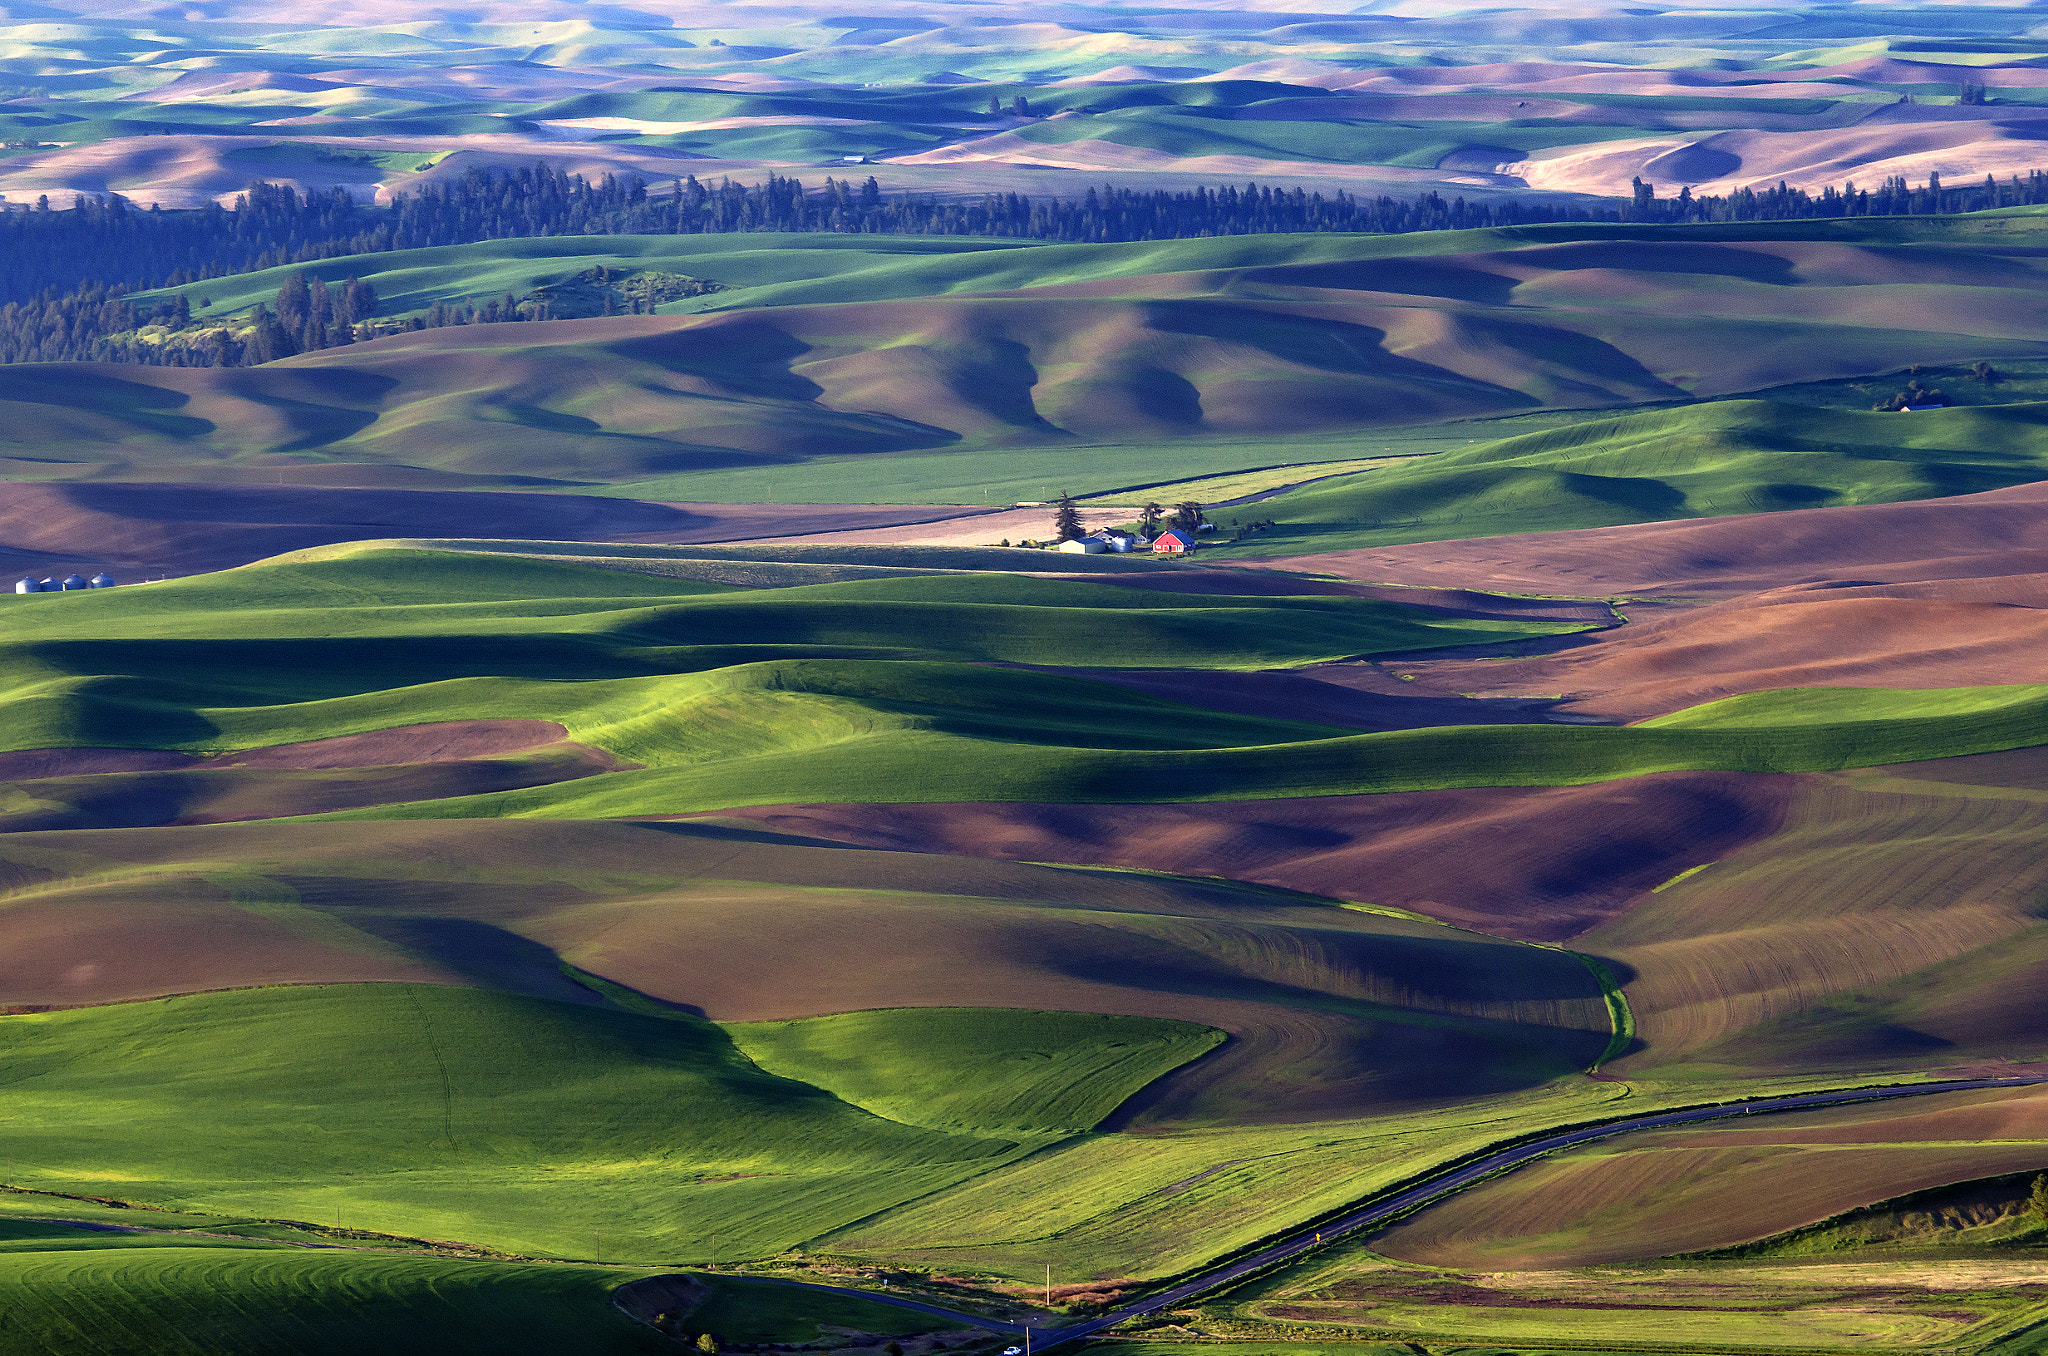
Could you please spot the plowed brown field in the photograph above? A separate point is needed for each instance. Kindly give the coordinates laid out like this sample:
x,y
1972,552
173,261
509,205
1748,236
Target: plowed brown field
x,y
1972,536
1652,1195
1537,863
1960,632
1335,1012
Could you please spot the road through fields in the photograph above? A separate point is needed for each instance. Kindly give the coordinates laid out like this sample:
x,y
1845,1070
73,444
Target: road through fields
x,y
1365,1217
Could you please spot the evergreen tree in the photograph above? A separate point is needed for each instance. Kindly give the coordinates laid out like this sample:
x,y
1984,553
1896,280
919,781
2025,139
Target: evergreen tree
x,y
1066,522
294,303
2038,1200
1149,518
1187,515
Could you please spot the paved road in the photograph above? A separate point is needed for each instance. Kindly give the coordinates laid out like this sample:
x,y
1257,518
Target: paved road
x,y
1373,1214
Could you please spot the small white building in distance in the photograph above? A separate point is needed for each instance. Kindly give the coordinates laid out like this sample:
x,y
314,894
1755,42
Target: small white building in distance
x,y
1084,546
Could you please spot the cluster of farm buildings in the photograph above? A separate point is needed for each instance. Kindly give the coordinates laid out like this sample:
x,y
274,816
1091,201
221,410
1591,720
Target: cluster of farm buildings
x,y
1172,542
64,585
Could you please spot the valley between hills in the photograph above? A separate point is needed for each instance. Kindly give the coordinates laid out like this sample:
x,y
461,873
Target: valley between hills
x,y
606,764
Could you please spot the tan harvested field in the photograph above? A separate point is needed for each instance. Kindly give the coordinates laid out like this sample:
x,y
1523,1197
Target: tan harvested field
x,y
1336,1012
1972,536
1562,77
187,171
151,530
1652,1195
1911,142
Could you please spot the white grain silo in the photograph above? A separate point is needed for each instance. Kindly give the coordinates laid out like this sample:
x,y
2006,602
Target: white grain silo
x,y
101,581
27,586
73,581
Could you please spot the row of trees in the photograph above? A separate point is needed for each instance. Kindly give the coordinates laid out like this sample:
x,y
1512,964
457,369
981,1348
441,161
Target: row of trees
x,y
64,275
306,316
106,241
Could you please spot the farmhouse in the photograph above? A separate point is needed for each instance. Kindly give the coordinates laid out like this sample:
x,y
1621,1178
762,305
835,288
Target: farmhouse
x,y
1173,542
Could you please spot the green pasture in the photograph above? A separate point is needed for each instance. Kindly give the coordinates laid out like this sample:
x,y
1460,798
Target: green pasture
x,y
872,690
539,1127
841,741
78,1292
409,281
1029,1073
768,268
1695,461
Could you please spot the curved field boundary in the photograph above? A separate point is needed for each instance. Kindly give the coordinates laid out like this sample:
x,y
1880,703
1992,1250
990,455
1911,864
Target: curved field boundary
x,y
1308,1239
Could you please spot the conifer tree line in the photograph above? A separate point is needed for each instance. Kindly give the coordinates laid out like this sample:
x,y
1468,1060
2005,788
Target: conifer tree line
x,y
64,274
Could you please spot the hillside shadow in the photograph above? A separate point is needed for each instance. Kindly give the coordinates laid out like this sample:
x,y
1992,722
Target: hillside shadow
x,y
317,425
1638,494
150,407
1401,277
746,355
706,830
486,956
1660,256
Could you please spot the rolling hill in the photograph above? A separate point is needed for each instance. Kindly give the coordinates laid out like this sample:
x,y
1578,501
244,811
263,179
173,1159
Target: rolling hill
x,y
1718,459
992,374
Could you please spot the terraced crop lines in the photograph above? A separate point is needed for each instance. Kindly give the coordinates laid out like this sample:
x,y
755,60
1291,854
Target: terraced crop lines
x,y
1876,893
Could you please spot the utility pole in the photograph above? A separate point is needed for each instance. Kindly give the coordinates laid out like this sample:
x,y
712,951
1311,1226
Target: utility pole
x,y
597,1241
1048,1285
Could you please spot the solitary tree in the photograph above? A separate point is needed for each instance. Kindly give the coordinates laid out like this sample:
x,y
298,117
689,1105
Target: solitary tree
x,y
1020,107
707,1344
1148,519
1066,522
2038,1201
1187,515
995,106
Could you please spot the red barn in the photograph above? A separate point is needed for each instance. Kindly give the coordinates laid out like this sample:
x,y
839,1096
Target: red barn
x,y
1173,542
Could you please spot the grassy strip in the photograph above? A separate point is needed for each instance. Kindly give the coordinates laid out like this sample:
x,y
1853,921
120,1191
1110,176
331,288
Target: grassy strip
x,y
1618,1010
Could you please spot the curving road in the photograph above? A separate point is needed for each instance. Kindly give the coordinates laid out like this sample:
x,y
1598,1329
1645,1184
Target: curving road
x,y
1379,1211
